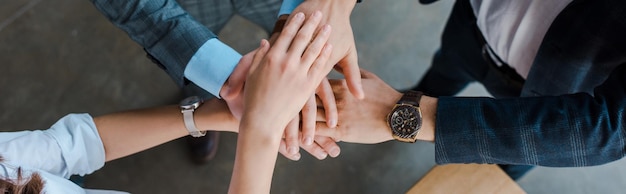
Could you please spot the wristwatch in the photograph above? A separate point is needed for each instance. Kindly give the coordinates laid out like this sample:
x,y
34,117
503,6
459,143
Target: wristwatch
x,y
187,107
405,119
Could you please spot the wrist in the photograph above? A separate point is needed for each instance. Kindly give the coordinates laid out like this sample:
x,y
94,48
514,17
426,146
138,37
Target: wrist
x,y
280,23
337,7
428,106
214,115
263,130
347,4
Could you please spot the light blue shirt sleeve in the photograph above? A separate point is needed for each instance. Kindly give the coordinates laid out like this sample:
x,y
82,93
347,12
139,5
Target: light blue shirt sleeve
x,y
211,66
288,6
71,146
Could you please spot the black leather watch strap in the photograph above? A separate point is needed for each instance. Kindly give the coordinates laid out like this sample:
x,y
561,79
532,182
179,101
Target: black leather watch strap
x,y
411,97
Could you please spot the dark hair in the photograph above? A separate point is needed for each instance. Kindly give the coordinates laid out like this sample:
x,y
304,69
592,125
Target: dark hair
x,y
33,184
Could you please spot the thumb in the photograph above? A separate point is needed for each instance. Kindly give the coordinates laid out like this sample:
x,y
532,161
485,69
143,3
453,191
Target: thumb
x,y
365,74
350,69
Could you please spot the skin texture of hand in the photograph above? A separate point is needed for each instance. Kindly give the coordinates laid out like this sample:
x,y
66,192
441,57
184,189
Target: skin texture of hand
x,y
364,121
320,146
232,91
337,14
280,81
301,129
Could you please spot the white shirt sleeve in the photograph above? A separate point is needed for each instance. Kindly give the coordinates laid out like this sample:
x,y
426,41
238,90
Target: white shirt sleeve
x,y
71,146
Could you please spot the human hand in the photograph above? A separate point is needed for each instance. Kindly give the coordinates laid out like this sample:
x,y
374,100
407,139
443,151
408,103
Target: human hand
x,y
337,14
309,141
281,80
232,90
320,147
362,121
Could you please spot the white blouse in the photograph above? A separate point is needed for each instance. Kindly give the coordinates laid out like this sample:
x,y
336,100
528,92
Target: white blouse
x,y
72,146
515,29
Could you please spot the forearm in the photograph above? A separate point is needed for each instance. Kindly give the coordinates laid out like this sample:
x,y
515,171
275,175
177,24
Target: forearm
x,y
126,133
560,131
255,159
162,27
343,7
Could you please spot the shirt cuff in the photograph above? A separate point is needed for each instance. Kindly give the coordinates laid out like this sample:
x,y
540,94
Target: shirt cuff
x,y
211,66
80,144
288,6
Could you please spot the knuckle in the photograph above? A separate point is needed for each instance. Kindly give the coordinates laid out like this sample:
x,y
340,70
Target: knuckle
x,y
292,140
301,36
328,144
289,32
272,57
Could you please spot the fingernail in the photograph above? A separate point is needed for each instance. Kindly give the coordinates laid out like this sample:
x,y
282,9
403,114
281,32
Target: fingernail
x,y
292,150
332,123
322,155
296,157
262,42
308,141
299,15
334,152
361,94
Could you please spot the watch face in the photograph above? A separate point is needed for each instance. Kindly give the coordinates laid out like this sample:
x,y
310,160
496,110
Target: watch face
x,y
405,121
192,101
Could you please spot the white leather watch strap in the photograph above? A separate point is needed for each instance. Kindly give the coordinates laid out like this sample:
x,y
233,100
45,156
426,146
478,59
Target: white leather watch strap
x,y
190,124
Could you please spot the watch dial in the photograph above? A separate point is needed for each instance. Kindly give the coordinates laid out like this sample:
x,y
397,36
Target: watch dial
x,y
405,120
192,101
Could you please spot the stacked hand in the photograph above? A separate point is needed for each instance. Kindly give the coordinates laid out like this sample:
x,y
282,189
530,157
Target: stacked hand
x,y
337,14
343,54
362,121
279,82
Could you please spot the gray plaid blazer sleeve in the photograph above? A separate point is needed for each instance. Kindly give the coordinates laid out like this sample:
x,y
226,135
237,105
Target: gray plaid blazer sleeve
x,y
559,131
166,31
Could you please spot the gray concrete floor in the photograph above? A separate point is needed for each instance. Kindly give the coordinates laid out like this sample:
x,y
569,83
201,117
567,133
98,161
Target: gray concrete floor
x,y
62,56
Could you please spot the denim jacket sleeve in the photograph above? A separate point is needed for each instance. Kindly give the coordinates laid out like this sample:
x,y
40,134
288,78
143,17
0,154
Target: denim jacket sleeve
x,y
166,31
559,131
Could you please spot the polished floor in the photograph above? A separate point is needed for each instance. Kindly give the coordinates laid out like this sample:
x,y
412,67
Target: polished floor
x,y
62,56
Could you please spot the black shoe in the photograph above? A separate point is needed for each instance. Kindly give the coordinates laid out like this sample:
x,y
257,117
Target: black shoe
x,y
203,149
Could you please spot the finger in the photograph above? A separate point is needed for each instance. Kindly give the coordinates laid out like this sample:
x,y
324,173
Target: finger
x,y
234,83
321,115
322,129
320,67
350,68
326,95
316,151
365,74
305,34
309,111
289,32
329,145
291,136
282,149
258,56
313,50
